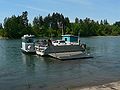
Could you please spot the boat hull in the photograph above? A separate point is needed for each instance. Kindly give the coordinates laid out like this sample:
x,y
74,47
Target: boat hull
x,y
40,53
58,49
28,52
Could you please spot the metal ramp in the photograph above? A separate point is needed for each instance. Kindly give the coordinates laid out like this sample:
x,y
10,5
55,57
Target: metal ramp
x,y
70,55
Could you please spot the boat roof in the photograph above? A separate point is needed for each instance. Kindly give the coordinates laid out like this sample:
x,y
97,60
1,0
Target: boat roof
x,y
68,35
28,36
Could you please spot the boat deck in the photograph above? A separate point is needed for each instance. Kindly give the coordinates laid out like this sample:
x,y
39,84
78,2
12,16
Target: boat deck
x,y
70,55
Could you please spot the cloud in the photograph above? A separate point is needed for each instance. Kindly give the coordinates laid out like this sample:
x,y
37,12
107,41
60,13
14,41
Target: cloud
x,y
33,8
82,2
23,5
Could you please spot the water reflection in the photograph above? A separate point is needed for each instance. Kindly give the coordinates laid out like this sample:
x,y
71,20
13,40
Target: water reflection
x,y
29,61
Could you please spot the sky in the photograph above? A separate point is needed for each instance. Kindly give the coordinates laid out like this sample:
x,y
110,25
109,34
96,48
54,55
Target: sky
x,y
94,9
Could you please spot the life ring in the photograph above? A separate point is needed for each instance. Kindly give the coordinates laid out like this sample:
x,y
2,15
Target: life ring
x,y
29,47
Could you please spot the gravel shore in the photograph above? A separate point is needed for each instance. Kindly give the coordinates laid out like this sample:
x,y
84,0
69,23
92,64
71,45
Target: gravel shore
x,y
109,86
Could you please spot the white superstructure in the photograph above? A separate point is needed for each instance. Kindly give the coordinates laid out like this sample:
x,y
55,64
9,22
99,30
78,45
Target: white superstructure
x,y
28,44
69,43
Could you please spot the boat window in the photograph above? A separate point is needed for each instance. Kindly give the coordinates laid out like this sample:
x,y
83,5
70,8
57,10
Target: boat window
x,y
65,39
55,41
29,40
62,41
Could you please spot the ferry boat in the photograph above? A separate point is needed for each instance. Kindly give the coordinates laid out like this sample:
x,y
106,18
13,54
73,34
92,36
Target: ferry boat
x,y
28,44
68,45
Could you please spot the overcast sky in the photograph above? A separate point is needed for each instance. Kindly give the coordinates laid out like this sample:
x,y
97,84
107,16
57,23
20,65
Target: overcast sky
x,y
94,9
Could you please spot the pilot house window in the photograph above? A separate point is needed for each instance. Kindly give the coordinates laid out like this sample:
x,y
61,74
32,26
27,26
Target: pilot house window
x,y
65,39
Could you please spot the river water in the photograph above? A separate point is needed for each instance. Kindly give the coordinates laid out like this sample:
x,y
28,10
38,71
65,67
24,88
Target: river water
x,y
31,72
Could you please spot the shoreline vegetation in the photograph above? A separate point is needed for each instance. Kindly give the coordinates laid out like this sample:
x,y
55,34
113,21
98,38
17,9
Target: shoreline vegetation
x,y
54,25
3,37
108,86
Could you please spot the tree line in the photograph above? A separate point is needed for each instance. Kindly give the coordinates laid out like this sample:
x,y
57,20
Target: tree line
x,y
55,25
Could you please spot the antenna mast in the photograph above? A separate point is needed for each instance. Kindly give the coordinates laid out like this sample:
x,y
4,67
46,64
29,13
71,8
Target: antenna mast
x,y
79,37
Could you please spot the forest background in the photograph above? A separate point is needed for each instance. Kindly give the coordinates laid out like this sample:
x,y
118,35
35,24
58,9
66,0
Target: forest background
x,y
55,25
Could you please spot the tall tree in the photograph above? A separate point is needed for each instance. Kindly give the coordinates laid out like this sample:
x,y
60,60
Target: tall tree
x,y
16,26
25,18
76,20
1,27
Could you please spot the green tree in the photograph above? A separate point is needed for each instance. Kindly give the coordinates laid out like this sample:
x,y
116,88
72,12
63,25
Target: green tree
x,y
76,20
16,26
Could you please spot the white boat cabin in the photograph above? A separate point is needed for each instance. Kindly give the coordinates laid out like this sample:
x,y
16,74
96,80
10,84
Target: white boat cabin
x,y
28,43
58,42
67,40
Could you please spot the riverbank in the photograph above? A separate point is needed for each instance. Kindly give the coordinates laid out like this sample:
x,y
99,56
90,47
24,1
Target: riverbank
x,y
3,37
109,86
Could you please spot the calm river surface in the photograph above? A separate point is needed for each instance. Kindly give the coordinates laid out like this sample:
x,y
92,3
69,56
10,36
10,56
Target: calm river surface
x,y
31,72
